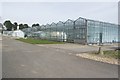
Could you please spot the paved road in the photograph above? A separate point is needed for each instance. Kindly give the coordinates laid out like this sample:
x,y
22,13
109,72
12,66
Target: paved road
x,y
22,60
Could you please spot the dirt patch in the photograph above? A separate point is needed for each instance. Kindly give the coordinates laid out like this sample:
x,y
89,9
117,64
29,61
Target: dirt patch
x,y
98,58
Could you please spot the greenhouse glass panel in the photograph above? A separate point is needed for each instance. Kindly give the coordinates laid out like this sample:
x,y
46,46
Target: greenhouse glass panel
x,y
80,28
53,31
69,25
61,35
84,31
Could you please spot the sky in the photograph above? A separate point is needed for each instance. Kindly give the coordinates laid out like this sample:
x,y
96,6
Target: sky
x,y
48,12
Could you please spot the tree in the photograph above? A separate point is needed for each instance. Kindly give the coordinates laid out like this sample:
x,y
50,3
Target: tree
x,y
15,25
8,25
37,24
21,26
34,25
26,26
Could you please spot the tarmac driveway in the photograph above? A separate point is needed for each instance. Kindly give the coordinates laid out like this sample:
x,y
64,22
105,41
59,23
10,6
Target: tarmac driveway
x,y
23,60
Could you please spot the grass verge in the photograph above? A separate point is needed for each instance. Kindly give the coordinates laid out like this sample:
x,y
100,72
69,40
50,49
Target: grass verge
x,y
110,54
38,41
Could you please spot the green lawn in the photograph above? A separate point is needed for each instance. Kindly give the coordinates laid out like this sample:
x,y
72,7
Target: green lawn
x,y
38,41
109,54
112,53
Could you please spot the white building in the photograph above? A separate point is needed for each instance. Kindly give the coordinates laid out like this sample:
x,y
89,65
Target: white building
x,y
18,34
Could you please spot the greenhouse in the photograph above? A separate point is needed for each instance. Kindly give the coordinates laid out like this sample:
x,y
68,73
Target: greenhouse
x,y
82,31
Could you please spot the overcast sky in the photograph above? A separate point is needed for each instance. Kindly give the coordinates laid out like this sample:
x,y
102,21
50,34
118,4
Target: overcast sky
x,y
48,12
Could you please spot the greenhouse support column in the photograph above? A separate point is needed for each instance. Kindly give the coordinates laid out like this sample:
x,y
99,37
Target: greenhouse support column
x,y
74,31
86,31
63,32
56,33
